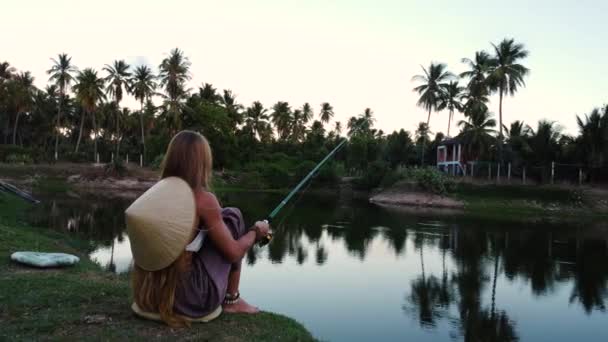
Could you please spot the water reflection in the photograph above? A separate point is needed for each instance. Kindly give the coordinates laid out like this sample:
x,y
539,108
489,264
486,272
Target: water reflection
x,y
462,282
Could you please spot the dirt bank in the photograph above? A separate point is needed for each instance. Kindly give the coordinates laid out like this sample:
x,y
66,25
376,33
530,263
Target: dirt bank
x,y
409,195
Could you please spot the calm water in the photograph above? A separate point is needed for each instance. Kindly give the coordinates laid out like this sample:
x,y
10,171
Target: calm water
x,y
352,271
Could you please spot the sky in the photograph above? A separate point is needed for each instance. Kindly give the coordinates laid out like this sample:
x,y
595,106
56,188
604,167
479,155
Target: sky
x,y
353,54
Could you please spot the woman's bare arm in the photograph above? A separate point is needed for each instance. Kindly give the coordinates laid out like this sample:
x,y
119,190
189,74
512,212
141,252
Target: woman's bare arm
x,y
210,212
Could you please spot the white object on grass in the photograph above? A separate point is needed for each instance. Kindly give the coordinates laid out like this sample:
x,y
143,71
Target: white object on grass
x,y
44,260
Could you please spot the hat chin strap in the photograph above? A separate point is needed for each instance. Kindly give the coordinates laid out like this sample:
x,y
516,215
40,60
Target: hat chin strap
x,y
197,243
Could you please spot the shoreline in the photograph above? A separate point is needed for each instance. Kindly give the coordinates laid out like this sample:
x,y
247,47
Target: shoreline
x,y
499,201
84,301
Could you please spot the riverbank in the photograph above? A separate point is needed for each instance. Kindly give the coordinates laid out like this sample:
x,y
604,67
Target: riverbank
x,y
504,202
507,202
81,302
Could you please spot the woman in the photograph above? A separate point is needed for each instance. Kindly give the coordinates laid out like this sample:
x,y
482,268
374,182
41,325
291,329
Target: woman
x,y
197,283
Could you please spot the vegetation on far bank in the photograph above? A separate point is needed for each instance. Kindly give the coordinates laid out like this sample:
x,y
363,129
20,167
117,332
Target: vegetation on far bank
x,y
81,115
83,302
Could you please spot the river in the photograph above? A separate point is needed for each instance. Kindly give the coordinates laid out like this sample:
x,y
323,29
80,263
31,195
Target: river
x,y
353,271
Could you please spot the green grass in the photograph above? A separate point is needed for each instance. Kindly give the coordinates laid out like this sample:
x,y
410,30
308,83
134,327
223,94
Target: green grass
x,y
522,203
54,304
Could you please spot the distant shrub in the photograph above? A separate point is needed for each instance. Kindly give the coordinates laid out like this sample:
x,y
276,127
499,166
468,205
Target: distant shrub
x,y
304,168
253,180
276,176
19,159
429,179
116,168
372,176
392,177
77,157
8,150
156,163
330,173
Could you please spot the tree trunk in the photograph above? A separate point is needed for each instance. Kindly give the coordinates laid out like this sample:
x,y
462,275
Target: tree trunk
x,y
117,132
500,136
15,128
7,128
428,121
450,121
500,111
58,124
143,138
94,137
80,132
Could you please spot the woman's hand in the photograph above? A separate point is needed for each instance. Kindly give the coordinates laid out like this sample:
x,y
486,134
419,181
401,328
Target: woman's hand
x,y
262,229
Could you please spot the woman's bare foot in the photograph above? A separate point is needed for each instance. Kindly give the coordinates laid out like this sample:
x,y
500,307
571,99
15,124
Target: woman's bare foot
x,y
241,306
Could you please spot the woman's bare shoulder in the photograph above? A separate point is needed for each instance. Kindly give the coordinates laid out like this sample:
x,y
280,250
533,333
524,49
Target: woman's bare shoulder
x,y
206,200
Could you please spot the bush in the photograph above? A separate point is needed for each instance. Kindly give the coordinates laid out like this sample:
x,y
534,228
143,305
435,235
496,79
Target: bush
x,y
391,178
429,179
19,159
372,176
331,173
116,168
77,157
304,168
276,176
253,180
13,150
156,163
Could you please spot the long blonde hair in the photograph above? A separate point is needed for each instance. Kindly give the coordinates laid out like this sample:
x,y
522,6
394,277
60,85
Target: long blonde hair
x,y
188,157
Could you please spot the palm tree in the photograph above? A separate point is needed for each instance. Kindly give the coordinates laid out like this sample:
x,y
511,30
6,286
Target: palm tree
x,y
23,97
368,115
544,142
326,113
430,91
518,129
307,112
594,135
477,133
174,72
432,87
208,93
517,138
61,75
298,128
6,71
118,84
506,74
89,93
143,85
6,74
282,119
422,133
450,99
233,109
479,69
256,118
338,128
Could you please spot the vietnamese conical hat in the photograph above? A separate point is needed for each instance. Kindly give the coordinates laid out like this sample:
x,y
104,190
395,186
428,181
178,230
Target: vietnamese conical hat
x,y
160,223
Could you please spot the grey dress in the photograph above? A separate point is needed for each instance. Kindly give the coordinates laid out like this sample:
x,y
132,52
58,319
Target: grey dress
x,y
203,287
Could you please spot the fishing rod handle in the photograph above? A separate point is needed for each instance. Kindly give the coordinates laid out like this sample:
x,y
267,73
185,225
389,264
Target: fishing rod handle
x,y
266,240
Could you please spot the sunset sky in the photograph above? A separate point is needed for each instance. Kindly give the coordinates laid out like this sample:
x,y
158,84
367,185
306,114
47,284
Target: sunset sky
x,y
353,54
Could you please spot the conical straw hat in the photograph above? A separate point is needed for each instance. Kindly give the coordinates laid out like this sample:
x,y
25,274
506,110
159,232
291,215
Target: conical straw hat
x,y
160,223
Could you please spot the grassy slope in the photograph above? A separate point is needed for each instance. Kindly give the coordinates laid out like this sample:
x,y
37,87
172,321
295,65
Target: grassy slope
x,y
518,202
54,304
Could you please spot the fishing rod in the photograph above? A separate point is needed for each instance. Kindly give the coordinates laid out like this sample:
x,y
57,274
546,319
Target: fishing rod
x,y
297,188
